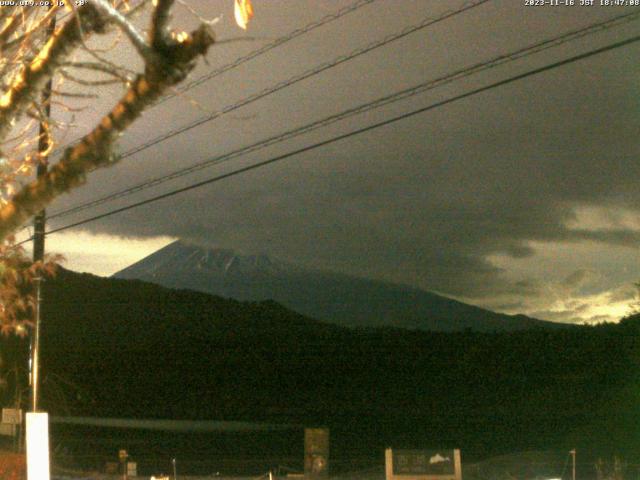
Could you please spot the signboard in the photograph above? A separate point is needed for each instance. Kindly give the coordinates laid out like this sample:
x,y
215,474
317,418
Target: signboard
x,y
8,429
423,464
132,469
12,416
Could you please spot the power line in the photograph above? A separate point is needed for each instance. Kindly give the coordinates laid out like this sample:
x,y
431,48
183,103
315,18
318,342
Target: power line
x,y
462,73
338,138
425,23
276,43
256,53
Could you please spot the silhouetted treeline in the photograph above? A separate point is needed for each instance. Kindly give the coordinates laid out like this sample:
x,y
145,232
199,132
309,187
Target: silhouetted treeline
x,y
129,348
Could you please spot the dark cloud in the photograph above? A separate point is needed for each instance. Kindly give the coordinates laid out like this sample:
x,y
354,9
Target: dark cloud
x,y
577,278
626,293
426,201
622,237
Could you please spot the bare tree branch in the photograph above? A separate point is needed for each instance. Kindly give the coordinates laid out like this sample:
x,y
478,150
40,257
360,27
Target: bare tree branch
x,y
175,59
168,58
126,26
26,39
160,23
33,77
88,83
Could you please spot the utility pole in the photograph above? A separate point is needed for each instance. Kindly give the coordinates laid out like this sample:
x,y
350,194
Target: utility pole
x,y
573,456
38,229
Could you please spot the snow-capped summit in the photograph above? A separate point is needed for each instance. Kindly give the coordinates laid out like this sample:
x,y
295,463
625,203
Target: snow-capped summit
x,y
333,297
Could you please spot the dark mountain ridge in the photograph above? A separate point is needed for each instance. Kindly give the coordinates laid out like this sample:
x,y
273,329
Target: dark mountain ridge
x,y
135,349
333,297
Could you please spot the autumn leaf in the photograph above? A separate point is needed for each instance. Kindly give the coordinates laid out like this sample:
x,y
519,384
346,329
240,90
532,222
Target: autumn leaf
x,y
17,281
243,12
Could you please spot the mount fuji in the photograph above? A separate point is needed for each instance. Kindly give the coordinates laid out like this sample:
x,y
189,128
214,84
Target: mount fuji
x,y
332,297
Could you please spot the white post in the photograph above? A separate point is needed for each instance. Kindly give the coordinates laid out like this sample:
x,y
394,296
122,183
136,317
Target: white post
x,y
38,446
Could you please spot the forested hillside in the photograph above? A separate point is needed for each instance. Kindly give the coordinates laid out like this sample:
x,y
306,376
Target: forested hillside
x,y
135,349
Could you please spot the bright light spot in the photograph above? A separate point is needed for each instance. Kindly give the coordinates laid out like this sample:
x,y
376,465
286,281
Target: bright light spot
x,y
243,11
182,36
5,100
42,56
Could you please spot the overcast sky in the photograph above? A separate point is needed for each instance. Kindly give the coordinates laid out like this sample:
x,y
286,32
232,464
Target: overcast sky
x,y
521,199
